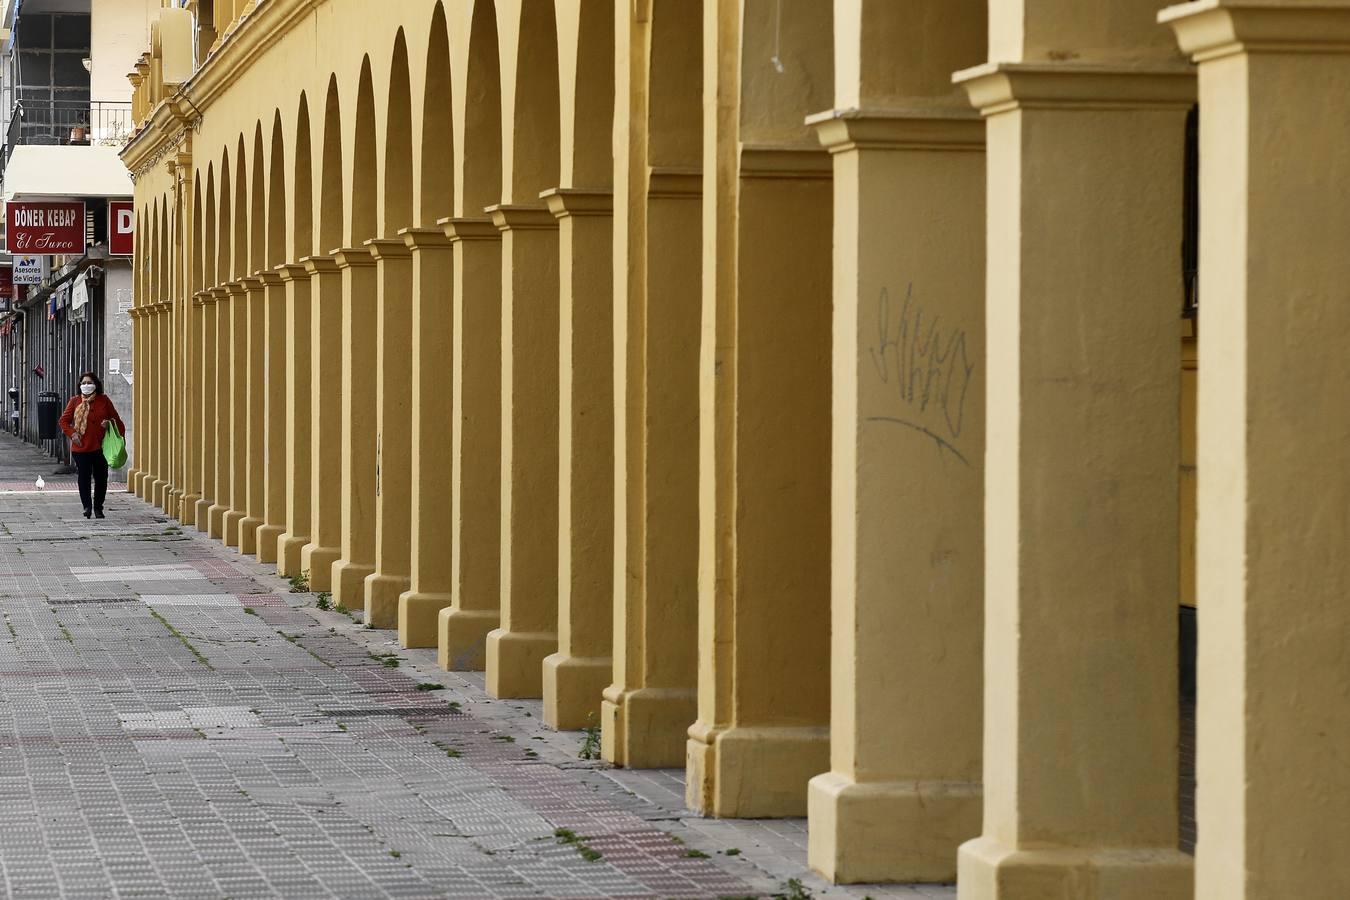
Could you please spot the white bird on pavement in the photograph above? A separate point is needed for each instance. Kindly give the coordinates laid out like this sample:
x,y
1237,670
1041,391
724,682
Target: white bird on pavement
x,y
40,483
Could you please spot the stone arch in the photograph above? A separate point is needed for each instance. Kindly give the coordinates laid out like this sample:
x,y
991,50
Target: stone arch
x,y
787,70
437,177
397,210
163,284
364,223
331,194
224,247
302,230
239,256
195,284
482,173
675,106
276,196
152,258
257,209
210,265
588,104
534,151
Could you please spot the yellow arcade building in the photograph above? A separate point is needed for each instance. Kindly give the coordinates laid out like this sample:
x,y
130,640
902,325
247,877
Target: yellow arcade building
x,y
837,400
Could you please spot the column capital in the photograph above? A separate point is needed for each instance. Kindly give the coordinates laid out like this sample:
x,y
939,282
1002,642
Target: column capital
x,y
388,248
319,263
417,239
999,87
521,217
234,288
219,292
797,163
564,202
463,228
944,128
1210,29
295,271
268,277
673,181
353,257
203,297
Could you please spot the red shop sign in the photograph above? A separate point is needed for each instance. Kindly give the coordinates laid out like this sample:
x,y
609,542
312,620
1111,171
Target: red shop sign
x,y
121,227
39,228
6,282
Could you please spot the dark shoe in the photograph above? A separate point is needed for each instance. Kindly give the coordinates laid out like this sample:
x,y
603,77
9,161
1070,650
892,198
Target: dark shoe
x,y
98,514
88,512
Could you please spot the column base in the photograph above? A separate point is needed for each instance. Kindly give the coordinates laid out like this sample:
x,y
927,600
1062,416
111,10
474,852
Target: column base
x,y
248,535
318,562
753,773
144,489
890,831
381,599
461,638
288,554
417,615
573,689
173,502
150,489
646,728
215,520
989,869
232,519
268,535
201,515
349,584
133,480
515,661
187,509
163,492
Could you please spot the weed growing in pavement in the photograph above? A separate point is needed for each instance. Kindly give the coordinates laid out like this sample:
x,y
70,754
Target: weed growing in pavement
x,y
395,854
590,739
734,851
695,854
430,686
300,582
568,836
793,889
250,611
504,738
65,632
449,751
186,643
10,625
324,600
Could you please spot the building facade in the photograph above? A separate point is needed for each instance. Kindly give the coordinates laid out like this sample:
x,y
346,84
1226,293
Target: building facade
x,y
803,392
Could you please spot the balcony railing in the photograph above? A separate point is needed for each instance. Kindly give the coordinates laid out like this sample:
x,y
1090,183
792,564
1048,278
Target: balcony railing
x,y
66,122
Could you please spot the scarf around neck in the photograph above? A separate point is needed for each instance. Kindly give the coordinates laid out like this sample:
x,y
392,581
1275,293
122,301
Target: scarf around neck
x,y
82,415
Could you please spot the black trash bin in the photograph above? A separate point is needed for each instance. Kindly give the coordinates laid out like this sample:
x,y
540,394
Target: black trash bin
x,y
48,413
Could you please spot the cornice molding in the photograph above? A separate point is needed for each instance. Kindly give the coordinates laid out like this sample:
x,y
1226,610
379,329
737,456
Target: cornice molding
x,y
844,130
999,87
1213,29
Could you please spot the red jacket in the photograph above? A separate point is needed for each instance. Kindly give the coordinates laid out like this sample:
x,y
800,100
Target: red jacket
x,y
100,410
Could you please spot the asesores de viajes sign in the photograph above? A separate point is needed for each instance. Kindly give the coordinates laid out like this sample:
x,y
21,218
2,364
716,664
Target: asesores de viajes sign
x,y
44,227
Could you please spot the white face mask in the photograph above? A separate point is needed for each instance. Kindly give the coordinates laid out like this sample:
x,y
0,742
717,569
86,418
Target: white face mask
x,y
86,389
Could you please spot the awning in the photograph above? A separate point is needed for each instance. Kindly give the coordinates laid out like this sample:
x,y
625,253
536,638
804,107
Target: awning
x,y
36,171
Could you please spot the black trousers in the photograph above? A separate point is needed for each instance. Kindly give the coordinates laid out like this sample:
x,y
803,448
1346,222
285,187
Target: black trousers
x,y
92,467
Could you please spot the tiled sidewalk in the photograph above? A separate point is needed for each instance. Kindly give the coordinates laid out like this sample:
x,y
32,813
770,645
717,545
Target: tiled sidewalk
x,y
174,723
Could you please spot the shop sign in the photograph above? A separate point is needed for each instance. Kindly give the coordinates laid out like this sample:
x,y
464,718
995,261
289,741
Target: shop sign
x,y
44,227
6,282
27,270
121,227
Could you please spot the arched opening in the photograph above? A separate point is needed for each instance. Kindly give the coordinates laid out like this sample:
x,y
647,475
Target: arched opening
x,y
197,252
210,272
257,210
224,249
437,178
331,194
534,153
276,197
675,104
240,258
482,176
302,230
398,181
365,165
592,151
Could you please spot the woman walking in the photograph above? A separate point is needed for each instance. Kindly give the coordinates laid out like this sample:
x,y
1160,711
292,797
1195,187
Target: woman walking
x,y
84,421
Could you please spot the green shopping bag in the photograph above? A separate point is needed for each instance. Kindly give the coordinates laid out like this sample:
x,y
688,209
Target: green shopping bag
x,y
114,447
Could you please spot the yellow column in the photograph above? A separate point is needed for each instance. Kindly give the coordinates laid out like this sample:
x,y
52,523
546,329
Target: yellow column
x,y
325,422
298,411
1085,163
907,461
578,673
357,400
432,437
1273,575
648,708
275,473
207,418
224,418
764,460
155,485
238,422
476,401
255,412
189,460
164,381
145,415
529,462
135,470
393,424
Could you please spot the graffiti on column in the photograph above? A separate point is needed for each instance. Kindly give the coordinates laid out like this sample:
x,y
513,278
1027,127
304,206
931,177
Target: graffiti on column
x,y
926,364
